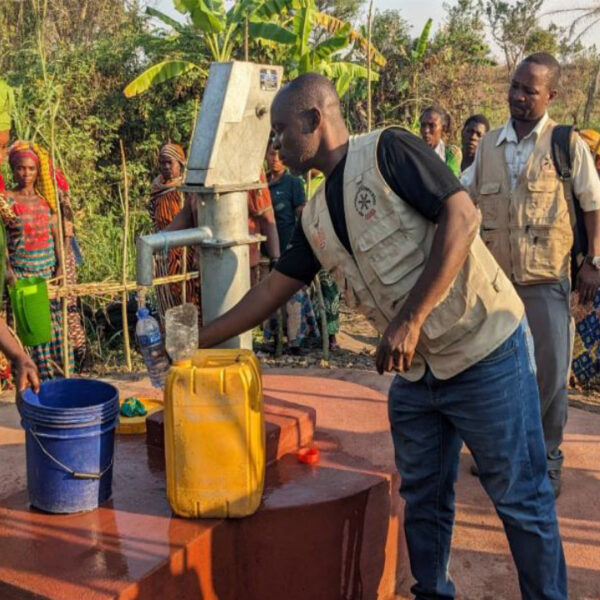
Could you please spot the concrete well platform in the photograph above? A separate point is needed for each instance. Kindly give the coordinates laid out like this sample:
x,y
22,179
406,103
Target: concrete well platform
x,y
322,532
345,513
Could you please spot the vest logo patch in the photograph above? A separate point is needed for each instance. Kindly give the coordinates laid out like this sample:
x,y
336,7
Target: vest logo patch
x,y
364,202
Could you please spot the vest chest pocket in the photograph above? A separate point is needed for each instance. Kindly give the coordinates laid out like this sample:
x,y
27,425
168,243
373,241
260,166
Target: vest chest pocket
x,y
392,255
489,204
543,202
547,253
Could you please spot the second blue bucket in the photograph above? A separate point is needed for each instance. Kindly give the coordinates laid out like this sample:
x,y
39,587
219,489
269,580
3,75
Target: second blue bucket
x,y
70,431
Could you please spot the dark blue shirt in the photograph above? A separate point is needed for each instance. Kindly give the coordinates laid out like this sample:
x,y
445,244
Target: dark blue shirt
x,y
287,194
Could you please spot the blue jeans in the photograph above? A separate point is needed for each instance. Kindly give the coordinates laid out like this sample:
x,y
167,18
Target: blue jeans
x,y
494,408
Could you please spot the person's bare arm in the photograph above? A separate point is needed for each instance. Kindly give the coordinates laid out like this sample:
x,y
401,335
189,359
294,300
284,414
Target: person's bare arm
x,y
588,277
25,371
457,227
11,278
60,268
260,302
268,228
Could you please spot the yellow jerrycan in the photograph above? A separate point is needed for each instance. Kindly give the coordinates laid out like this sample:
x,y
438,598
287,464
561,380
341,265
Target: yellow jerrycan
x,y
215,434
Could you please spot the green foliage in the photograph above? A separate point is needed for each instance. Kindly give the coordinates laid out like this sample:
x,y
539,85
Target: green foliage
x,y
85,80
511,24
329,56
418,53
542,40
159,73
7,101
310,39
345,10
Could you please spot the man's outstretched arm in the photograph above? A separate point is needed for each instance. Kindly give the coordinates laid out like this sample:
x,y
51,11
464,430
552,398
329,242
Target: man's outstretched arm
x,y
259,303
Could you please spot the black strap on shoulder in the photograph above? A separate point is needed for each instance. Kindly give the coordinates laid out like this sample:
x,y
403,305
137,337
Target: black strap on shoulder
x,y
561,150
563,162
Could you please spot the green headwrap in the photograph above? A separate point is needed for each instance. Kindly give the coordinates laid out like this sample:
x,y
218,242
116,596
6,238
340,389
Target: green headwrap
x,y
6,105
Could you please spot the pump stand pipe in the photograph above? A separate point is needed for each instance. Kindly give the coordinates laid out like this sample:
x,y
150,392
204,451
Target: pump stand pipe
x,y
148,245
224,264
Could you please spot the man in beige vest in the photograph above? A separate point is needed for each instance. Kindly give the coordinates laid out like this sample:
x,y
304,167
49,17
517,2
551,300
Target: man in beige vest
x,y
400,235
527,227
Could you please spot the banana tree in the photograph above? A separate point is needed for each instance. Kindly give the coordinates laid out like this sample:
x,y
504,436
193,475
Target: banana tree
x,y
328,57
220,29
415,59
283,23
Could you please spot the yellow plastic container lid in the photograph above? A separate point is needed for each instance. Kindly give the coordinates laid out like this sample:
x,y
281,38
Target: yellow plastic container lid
x,y
136,425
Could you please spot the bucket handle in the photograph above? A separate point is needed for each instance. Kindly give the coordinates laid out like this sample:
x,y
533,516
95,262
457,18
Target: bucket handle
x,y
74,474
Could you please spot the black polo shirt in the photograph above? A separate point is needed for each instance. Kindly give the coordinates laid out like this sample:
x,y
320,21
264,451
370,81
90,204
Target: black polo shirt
x,y
411,169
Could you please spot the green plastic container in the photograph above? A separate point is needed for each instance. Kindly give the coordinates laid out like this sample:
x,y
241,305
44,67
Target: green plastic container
x,y
31,307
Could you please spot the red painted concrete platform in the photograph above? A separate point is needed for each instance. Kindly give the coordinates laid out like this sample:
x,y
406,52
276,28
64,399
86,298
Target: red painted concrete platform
x,y
323,532
103,554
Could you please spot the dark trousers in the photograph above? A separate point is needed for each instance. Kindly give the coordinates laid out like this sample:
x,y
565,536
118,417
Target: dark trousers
x,y
549,316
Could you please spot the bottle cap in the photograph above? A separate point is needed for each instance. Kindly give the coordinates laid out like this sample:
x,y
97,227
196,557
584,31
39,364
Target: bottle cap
x,y
142,312
308,455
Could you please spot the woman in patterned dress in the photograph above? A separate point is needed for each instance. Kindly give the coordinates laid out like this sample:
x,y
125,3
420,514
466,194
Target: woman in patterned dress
x,y
32,232
165,203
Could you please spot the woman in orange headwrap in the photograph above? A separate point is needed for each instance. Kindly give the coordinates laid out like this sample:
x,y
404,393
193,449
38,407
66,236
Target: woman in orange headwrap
x,y
165,202
592,139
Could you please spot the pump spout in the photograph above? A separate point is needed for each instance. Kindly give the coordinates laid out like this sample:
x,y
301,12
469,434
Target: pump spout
x,y
148,245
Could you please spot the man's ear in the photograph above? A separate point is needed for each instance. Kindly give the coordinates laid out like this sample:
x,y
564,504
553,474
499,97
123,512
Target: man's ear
x,y
311,118
552,95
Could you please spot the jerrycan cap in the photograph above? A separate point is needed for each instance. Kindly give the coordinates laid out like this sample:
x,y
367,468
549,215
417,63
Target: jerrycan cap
x,y
142,312
185,362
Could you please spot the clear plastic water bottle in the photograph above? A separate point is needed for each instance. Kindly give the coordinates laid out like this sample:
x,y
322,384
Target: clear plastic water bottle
x,y
152,347
181,332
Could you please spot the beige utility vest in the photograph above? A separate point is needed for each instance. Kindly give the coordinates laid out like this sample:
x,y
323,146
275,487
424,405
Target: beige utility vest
x,y
528,229
391,243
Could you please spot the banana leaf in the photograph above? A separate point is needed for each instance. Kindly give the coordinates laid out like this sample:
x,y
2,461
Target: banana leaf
x,y
271,32
157,74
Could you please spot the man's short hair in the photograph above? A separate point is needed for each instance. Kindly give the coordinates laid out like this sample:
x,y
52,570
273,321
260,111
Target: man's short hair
x,y
312,89
546,60
480,119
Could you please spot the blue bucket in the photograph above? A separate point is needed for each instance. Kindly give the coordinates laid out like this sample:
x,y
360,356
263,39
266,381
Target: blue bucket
x,y
69,439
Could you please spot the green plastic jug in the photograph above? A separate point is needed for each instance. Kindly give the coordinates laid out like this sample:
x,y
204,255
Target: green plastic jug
x,y
31,307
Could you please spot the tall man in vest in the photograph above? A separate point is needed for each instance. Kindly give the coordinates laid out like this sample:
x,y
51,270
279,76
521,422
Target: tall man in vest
x,y
527,227
400,235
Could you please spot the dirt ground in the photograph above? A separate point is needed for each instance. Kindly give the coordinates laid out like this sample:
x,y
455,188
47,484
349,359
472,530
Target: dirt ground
x,y
358,342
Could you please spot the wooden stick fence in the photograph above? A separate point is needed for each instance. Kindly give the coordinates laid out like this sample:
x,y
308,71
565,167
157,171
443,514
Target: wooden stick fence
x,y
111,288
124,316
